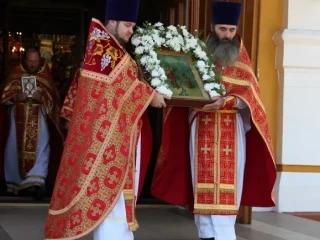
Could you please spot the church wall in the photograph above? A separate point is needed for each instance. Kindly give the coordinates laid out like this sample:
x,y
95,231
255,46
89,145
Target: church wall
x,y
267,74
271,12
298,130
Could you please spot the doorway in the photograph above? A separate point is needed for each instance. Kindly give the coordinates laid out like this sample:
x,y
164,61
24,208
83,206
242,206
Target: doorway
x,y
196,15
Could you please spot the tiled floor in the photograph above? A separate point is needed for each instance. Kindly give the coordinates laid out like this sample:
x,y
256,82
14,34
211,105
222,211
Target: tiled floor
x,y
165,224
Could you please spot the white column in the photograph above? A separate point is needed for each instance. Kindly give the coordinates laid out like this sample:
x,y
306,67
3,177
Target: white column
x,y
298,140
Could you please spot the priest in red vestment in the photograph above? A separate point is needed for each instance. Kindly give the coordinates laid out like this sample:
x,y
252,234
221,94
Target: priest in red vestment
x,y
96,186
227,142
32,123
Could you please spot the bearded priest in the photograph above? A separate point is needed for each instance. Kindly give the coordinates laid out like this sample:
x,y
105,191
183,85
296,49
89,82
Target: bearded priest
x,y
227,142
97,183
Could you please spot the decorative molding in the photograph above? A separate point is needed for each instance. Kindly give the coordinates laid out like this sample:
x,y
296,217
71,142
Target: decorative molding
x,y
291,43
297,36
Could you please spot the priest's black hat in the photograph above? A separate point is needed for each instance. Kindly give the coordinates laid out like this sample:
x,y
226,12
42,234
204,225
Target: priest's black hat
x,y
122,10
227,13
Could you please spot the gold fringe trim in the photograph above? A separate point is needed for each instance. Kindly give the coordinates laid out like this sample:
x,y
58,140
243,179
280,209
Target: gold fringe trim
x,y
215,212
219,111
134,226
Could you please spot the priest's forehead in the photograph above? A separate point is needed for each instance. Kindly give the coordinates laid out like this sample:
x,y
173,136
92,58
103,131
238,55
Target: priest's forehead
x,y
225,27
129,24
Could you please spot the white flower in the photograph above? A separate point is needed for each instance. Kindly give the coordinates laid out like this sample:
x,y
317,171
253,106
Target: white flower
x,y
172,28
161,72
163,77
140,30
151,61
158,24
168,35
217,86
139,50
136,41
201,64
205,77
214,93
208,86
202,55
153,54
164,90
144,60
156,82
155,73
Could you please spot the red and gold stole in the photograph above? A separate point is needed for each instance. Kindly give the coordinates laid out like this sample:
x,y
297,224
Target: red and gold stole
x,y
98,160
216,163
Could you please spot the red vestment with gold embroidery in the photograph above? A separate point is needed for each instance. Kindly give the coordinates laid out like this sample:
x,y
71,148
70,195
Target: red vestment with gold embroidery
x,y
99,155
216,150
146,131
27,117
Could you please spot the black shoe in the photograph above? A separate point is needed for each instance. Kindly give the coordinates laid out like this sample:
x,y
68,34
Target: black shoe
x,y
40,193
27,192
207,238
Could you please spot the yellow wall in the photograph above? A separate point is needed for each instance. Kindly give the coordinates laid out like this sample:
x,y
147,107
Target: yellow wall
x,y
270,22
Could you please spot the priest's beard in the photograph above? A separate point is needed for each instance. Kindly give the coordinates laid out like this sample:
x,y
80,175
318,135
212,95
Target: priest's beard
x,y
224,51
32,70
117,36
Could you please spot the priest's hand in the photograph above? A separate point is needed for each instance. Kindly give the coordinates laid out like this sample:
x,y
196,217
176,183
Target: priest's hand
x,y
158,100
218,102
36,96
21,97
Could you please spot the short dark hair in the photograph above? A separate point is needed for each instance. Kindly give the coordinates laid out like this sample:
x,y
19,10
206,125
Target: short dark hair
x,y
31,50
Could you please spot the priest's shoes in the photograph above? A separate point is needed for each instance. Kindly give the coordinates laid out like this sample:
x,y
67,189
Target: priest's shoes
x,y
40,193
207,238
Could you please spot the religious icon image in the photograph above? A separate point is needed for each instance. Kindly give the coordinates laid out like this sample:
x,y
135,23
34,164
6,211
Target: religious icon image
x,y
29,85
183,77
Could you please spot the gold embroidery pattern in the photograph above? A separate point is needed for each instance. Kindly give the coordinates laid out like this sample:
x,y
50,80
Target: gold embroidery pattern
x,y
216,164
27,117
